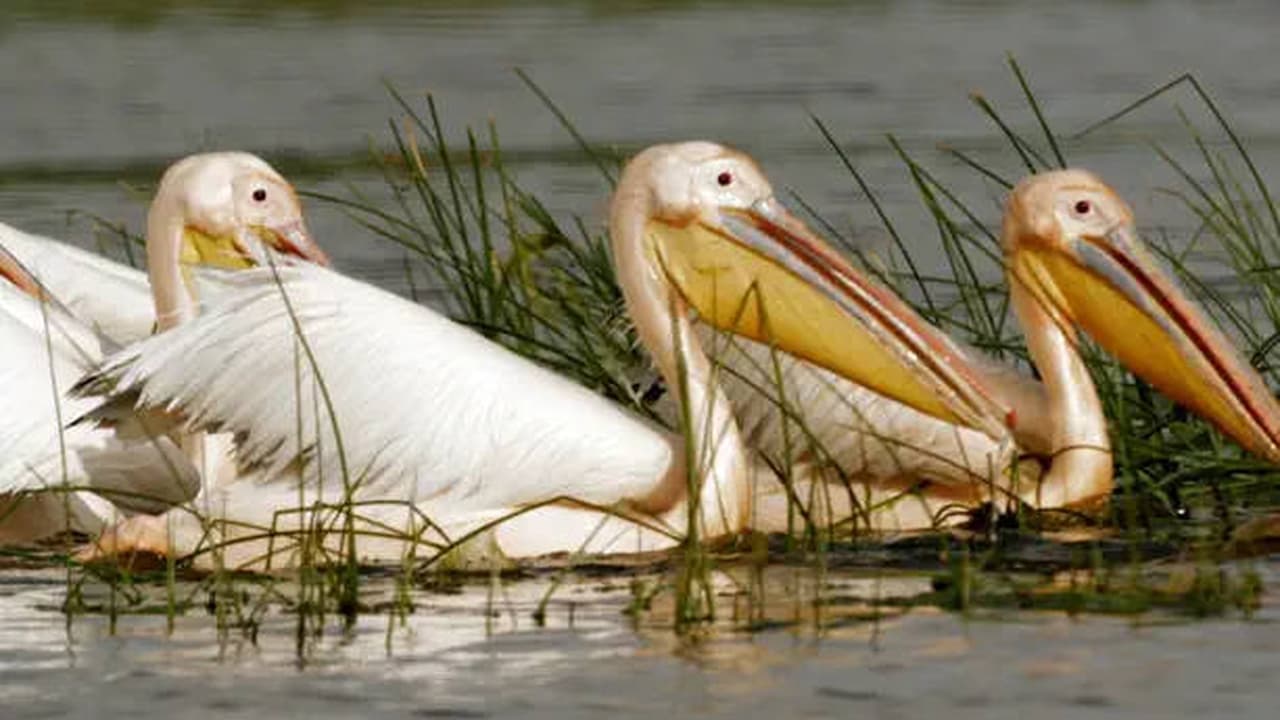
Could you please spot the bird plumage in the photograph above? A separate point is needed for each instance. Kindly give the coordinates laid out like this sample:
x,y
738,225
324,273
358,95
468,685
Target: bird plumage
x,y
43,351
112,298
424,411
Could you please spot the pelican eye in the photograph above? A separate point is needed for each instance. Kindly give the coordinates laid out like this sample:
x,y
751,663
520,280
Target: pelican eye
x,y
259,195
1083,207
724,178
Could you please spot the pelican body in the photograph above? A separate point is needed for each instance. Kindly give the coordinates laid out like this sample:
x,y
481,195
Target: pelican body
x,y
43,351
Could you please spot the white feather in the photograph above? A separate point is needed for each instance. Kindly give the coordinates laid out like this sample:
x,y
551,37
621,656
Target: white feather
x,y
112,298
837,433
868,435
428,411
36,367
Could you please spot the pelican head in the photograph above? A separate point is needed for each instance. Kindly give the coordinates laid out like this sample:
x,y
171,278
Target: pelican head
x,y
1070,241
233,206
713,232
227,210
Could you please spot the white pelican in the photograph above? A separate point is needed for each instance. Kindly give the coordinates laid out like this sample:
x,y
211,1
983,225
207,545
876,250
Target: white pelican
x,y
426,413
1073,260
220,209
212,192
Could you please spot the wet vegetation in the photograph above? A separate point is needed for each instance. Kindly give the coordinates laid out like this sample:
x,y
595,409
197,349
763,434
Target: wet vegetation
x,y
1189,511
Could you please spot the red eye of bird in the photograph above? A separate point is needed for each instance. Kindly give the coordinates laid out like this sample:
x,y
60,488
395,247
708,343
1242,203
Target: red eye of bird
x,y
259,195
724,178
1083,207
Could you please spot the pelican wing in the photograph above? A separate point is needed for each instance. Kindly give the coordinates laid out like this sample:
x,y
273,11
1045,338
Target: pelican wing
x,y
369,390
38,453
32,373
112,298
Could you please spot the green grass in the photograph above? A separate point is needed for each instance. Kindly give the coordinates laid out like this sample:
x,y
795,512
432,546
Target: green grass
x,y
551,296
1166,458
507,268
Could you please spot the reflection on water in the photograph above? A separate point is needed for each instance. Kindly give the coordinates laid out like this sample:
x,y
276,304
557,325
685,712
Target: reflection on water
x,y
473,653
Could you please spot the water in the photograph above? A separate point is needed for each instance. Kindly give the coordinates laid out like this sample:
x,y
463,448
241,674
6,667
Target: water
x,y
460,655
92,98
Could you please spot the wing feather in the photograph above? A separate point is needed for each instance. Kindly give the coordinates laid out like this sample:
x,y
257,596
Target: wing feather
x,y
108,296
425,409
36,453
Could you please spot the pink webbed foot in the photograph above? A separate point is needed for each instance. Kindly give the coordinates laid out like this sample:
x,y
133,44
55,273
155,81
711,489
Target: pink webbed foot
x,y
130,542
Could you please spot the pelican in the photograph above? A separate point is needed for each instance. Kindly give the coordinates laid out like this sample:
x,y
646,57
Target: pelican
x,y
212,192
356,408
1073,259
218,209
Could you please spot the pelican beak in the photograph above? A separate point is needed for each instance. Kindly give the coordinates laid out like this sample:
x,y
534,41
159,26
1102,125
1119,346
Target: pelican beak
x,y
1111,288
293,238
761,273
207,249
14,272
230,252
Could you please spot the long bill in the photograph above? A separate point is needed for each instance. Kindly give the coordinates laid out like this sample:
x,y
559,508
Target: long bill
x,y
761,273
232,252
1110,287
293,238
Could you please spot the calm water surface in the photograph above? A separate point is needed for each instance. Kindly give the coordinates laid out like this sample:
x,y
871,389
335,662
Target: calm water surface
x,y
96,97
459,656
93,101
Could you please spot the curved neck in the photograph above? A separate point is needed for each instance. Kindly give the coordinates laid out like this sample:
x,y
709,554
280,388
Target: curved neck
x,y
165,228
175,305
713,455
1080,451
